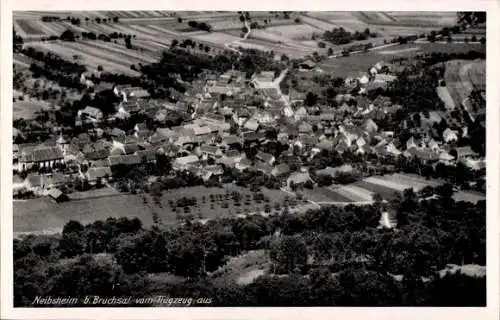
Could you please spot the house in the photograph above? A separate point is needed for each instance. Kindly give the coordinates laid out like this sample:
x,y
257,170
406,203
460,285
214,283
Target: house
x,y
280,170
127,160
93,174
265,157
40,155
57,195
262,79
183,163
263,167
450,135
243,164
92,113
231,142
465,152
251,124
411,143
230,158
305,128
298,178
210,151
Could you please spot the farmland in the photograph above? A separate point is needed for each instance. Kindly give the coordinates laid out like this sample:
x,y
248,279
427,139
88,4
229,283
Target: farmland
x,y
363,191
462,77
343,66
90,56
44,215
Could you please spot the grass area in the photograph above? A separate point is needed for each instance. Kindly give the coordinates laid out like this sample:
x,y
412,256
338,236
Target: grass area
x,y
469,196
243,269
42,214
27,109
216,202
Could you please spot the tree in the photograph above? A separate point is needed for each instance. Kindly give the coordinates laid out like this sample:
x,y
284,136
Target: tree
x,y
311,99
115,19
330,51
67,35
18,41
128,42
289,253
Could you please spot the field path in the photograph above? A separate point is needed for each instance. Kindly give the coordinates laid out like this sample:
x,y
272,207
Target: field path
x,y
235,42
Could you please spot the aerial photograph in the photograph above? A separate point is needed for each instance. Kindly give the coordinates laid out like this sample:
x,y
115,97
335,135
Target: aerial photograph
x,y
249,158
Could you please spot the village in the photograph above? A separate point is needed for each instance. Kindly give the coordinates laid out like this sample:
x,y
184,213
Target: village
x,y
231,125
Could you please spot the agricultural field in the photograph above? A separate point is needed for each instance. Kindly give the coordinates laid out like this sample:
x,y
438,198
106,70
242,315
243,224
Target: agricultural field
x,y
423,18
363,191
43,215
462,77
296,31
343,66
90,56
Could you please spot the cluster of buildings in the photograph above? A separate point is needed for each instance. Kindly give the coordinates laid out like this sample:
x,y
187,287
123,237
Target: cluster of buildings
x,y
223,116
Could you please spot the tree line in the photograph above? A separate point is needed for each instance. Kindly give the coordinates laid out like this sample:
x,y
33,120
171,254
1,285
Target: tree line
x,y
333,244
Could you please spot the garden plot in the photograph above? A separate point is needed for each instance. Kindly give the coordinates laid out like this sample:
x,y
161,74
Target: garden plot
x,y
397,186
418,179
365,195
325,195
416,185
375,188
348,193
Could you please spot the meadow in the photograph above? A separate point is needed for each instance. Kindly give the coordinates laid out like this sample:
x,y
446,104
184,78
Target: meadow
x,y
44,215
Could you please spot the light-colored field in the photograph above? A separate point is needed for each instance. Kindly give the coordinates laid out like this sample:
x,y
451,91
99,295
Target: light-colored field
x,y
430,18
468,196
217,37
318,24
297,31
398,51
444,95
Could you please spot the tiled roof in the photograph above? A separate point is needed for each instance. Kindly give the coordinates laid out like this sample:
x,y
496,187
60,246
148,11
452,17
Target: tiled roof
x,y
40,154
98,172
